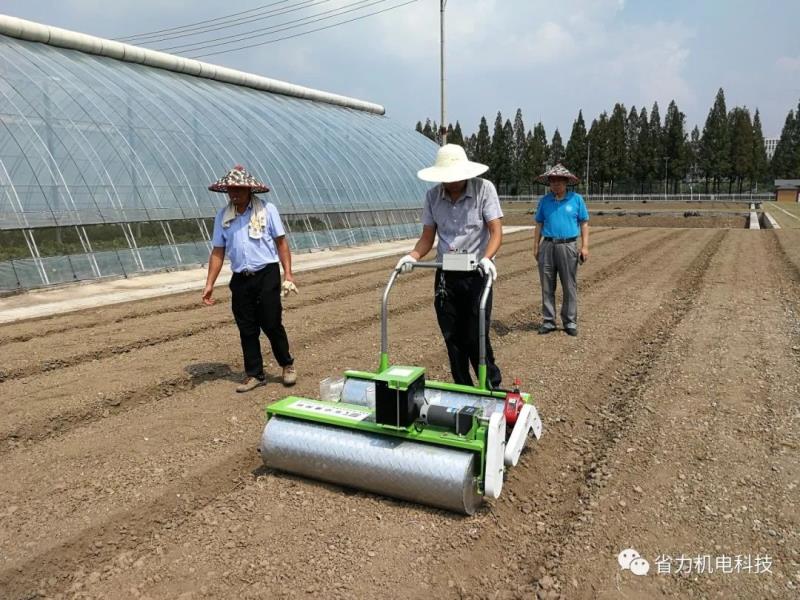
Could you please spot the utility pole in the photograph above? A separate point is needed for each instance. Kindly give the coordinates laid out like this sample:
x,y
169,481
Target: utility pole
x,y
443,123
666,174
588,155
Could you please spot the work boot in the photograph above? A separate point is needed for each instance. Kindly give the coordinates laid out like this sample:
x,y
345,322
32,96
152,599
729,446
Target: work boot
x,y
289,375
546,328
250,383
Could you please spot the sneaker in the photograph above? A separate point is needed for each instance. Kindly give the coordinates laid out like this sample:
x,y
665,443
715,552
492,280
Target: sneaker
x,y
573,331
250,383
289,375
544,329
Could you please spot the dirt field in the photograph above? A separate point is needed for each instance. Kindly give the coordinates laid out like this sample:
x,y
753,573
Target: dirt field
x,y
723,215
128,466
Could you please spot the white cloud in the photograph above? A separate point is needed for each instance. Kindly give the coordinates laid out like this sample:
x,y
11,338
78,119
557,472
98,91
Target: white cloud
x,y
789,63
652,58
549,58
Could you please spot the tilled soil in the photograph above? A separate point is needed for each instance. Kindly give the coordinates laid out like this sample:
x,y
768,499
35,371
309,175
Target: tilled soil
x,y
655,219
128,464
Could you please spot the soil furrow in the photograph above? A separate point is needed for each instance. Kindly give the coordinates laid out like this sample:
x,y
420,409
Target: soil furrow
x,y
127,530
102,405
244,454
58,360
627,385
551,487
520,320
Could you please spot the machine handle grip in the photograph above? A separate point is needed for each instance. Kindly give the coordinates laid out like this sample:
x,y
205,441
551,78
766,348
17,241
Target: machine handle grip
x,y
424,265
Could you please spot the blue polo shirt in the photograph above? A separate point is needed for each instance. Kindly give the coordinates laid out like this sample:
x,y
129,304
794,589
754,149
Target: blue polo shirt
x,y
561,218
244,252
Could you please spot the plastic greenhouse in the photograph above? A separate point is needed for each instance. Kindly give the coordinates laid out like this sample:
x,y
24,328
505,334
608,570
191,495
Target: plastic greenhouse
x,y
106,151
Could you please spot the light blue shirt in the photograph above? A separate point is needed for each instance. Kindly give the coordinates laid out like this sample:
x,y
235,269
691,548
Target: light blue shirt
x,y
244,252
560,218
461,225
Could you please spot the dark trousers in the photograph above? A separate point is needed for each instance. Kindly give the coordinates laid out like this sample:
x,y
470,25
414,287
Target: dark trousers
x,y
256,304
457,301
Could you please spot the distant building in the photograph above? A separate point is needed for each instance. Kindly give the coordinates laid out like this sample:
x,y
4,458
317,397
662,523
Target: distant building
x,y
787,190
770,144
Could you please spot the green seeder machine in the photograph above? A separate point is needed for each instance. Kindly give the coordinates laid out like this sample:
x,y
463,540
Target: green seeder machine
x,y
394,433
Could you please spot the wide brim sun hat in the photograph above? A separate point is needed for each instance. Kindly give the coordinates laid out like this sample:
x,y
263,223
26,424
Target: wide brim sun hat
x,y
451,165
558,171
240,178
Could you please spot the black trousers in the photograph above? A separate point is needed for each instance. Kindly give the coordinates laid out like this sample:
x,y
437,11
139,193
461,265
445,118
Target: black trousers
x,y
256,304
457,301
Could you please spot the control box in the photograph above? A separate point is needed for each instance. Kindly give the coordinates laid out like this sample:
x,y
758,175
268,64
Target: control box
x,y
397,390
459,261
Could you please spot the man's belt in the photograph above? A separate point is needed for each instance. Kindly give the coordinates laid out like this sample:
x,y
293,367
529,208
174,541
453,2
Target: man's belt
x,y
560,240
246,273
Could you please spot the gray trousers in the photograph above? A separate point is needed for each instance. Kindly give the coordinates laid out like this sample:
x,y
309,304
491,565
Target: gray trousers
x,y
559,260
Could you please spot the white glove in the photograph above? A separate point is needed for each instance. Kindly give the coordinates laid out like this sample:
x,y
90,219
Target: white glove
x,y
405,264
488,267
286,287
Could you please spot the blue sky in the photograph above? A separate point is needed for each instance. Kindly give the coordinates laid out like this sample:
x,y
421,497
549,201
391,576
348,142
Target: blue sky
x,y
548,58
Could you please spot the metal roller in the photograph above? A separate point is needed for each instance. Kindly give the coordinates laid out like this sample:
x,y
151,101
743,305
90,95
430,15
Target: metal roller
x,y
424,473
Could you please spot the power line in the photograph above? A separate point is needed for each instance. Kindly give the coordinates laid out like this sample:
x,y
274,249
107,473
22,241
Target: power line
x,y
301,22
228,23
288,37
151,33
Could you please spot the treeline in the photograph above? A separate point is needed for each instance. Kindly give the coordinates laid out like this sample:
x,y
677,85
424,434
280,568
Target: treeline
x,y
633,151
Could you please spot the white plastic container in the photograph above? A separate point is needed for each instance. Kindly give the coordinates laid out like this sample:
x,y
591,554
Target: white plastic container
x,y
330,389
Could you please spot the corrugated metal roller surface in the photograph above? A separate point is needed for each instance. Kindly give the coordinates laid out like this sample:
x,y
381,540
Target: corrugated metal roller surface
x,y
422,473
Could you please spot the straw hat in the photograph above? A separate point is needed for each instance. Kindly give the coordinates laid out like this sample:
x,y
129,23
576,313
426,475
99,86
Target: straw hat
x,y
238,177
558,171
451,164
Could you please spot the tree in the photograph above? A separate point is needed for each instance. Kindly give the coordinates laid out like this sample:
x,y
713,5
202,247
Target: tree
x,y
795,157
536,154
469,146
740,163
498,167
694,154
427,131
418,128
632,132
509,158
431,130
758,167
643,166
781,163
575,154
556,149
656,157
456,137
482,143
520,143
675,144
598,166
715,143
616,146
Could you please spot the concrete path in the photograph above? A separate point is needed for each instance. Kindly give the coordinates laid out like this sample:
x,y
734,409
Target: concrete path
x,y
90,294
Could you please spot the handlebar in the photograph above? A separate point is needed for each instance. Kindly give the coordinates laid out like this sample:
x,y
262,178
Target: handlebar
x,y
487,287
